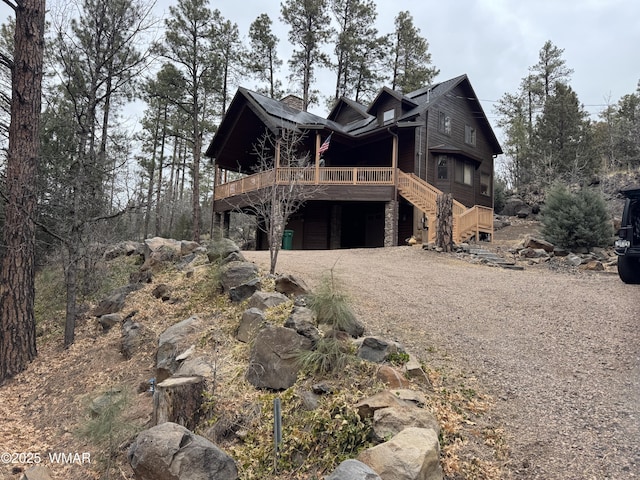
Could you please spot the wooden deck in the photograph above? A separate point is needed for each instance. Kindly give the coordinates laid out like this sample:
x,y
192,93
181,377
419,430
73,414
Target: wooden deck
x,y
467,222
307,176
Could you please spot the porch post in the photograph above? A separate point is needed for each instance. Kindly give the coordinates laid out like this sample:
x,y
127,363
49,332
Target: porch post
x,y
391,223
394,159
317,157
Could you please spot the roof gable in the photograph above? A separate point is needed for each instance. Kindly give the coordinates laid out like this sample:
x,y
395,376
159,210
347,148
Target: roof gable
x,y
383,99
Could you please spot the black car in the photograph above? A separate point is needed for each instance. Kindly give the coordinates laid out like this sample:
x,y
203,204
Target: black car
x,y
627,246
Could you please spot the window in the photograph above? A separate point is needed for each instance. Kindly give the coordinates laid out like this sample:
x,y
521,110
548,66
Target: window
x,y
464,173
444,123
388,115
470,135
485,184
443,167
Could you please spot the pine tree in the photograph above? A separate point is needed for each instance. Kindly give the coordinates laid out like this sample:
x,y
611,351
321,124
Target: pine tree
x,y
360,52
262,59
411,57
562,139
17,317
191,43
309,30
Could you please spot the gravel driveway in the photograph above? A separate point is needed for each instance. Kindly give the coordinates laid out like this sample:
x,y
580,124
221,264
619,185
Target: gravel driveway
x,y
559,352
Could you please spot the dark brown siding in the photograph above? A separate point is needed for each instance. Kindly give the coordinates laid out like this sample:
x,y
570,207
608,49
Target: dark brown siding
x,y
406,150
462,112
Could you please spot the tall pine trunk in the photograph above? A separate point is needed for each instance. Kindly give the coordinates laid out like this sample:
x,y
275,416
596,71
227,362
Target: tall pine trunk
x,y
17,291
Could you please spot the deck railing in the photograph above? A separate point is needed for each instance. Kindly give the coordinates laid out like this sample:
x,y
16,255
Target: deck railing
x,y
307,176
467,222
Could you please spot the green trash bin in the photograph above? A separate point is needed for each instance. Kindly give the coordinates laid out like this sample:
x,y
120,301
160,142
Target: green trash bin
x,y
287,240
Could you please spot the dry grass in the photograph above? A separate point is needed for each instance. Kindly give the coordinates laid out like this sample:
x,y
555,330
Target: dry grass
x,y
45,408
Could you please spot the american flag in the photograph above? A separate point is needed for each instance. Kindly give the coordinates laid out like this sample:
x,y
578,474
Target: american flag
x,y
325,145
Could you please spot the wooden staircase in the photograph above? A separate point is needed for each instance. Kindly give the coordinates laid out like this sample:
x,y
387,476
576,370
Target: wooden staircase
x,y
467,222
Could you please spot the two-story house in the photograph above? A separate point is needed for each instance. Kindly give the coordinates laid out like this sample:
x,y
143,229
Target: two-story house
x,y
382,171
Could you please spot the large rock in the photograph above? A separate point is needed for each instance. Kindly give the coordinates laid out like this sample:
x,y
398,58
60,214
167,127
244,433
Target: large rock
x,y
353,470
242,292
132,336
221,248
389,421
115,301
367,407
375,349
264,300
234,274
303,321
413,454
274,358
37,472
122,249
171,452
172,342
391,377
158,243
290,285
538,243
512,205
251,323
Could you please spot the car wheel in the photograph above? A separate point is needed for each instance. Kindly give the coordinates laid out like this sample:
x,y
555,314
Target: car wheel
x,y
629,269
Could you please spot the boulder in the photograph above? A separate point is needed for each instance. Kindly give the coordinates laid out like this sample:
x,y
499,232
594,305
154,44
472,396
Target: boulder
x,y
158,243
172,342
375,349
413,454
273,362
413,370
188,247
302,320
37,472
132,336
251,322
390,421
512,205
538,243
367,407
195,367
242,292
109,320
353,470
392,377
529,252
171,452
162,292
122,249
290,285
234,274
573,260
221,248
115,301
593,266
265,300
232,257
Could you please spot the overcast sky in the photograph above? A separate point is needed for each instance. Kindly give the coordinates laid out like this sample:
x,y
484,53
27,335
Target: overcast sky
x,y
495,41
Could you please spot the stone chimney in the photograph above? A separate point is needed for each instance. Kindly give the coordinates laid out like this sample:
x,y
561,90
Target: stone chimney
x,y
293,101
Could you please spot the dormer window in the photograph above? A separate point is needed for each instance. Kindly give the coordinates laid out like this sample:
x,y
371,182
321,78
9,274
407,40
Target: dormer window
x,y
388,116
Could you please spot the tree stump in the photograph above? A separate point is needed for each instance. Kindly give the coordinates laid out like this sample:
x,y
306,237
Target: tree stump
x,y
444,222
179,400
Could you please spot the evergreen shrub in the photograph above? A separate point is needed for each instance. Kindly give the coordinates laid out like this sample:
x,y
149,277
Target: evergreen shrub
x,y
576,220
